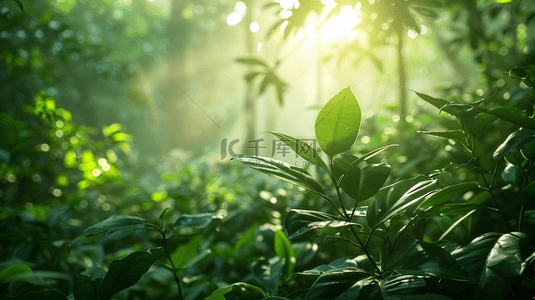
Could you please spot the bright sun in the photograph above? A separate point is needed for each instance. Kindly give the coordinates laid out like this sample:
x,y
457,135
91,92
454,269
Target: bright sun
x,y
342,24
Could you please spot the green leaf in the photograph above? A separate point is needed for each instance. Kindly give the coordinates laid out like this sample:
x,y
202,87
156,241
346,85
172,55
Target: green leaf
x,y
360,184
127,271
370,155
513,115
15,273
298,218
448,193
302,149
393,286
494,263
450,134
351,176
436,102
20,5
197,221
420,258
112,224
455,224
372,179
338,123
219,294
394,198
284,250
251,61
85,288
186,252
334,283
479,123
268,272
265,82
359,262
299,222
525,74
251,76
284,171
512,174
514,142
446,210
246,239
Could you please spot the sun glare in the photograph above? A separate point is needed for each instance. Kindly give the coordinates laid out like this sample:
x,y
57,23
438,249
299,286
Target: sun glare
x,y
342,24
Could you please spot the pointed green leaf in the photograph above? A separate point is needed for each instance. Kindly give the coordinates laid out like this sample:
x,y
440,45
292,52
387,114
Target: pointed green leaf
x,y
394,285
448,193
338,123
284,250
299,222
370,155
112,224
298,218
360,184
284,171
395,198
265,82
494,263
450,134
372,179
514,142
332,284
251,76
455,224
302,149
525,74
436,102
513,115
480,122
127,271
359,262
350,182
419,258
251,61
20,5
197,221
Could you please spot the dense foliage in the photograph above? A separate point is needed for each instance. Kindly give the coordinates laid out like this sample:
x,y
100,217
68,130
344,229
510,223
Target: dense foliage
x,y
430,201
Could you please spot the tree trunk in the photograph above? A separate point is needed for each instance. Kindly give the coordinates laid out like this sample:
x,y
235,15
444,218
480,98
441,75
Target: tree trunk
x,y
250,99
401,77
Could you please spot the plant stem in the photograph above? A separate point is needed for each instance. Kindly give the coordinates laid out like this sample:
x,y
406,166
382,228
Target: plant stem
x,y
495,202
177,280
348,219
521,218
